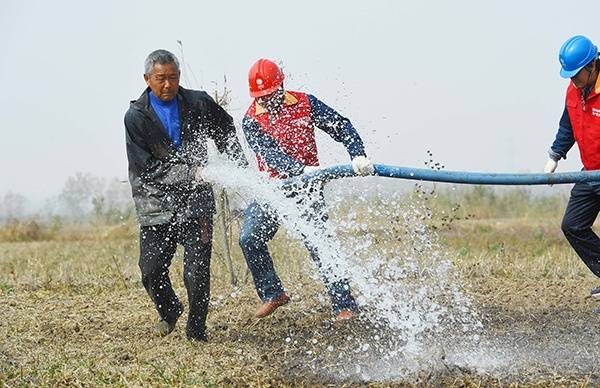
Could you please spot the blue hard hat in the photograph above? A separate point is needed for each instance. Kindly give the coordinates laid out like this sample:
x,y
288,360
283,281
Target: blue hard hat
x,y
574,54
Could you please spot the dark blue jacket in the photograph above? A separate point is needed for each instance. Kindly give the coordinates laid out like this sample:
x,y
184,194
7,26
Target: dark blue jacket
x,y
564,138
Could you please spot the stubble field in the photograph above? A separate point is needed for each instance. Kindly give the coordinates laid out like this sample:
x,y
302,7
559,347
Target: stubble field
x,y
75,312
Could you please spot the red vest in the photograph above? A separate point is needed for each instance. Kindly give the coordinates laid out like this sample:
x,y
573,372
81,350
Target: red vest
x,y
585,121
292,128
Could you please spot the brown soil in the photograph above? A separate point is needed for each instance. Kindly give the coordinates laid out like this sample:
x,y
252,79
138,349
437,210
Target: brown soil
x,y
540,332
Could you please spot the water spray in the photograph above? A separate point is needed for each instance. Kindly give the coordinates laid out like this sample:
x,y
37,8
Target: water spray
x,y
408,289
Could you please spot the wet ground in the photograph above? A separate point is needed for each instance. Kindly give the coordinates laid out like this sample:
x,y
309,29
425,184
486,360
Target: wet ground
x,y
73,315
535,332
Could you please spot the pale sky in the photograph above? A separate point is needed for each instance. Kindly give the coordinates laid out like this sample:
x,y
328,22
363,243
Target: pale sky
x,y
475,82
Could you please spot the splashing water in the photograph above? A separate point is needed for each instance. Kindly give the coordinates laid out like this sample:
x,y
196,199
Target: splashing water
x,y
408,287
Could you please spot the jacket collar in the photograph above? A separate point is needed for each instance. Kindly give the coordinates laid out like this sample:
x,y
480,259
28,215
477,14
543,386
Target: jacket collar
x,y
288,99
142,104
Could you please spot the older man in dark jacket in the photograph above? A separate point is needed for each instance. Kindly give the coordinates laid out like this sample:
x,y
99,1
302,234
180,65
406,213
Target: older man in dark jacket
x,y
167,129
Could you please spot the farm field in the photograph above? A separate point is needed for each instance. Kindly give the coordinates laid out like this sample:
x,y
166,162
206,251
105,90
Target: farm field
x,y
75,312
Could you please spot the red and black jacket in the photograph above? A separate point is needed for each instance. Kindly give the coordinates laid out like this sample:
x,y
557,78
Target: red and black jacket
x,y
285,143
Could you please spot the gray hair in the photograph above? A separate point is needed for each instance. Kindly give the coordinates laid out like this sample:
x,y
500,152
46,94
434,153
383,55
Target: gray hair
x,y
160,56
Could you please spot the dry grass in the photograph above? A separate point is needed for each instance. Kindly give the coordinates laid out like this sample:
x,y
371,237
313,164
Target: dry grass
x,y
75,312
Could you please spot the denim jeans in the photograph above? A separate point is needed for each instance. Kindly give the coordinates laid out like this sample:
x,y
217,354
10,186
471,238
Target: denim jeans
x,y
260,225
579,217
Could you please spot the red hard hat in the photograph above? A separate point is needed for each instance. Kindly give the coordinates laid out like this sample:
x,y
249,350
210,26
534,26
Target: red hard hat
x,y
264,78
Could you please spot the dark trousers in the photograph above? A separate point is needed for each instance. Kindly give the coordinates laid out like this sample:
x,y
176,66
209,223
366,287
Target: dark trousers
x,y
158,244
580,215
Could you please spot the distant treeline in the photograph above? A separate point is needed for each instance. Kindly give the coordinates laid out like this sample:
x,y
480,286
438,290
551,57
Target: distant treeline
x,y
87,202
84,198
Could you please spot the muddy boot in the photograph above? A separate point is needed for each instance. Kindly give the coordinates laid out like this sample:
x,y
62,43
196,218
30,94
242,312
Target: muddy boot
x,y
345,315
195,334
197,337
164,327
271,305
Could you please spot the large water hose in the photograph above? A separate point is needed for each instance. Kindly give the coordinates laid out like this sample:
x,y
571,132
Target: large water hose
x,y
478,178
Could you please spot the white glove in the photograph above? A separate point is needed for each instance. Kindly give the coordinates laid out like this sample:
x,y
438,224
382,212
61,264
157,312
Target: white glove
x,y
309,169
551,165
362,166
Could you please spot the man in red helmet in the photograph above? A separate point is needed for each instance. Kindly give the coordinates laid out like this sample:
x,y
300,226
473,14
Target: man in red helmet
x,y
279,127
580,123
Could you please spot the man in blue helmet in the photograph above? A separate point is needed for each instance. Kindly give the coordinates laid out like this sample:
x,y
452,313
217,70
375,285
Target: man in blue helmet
x,y
580,123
